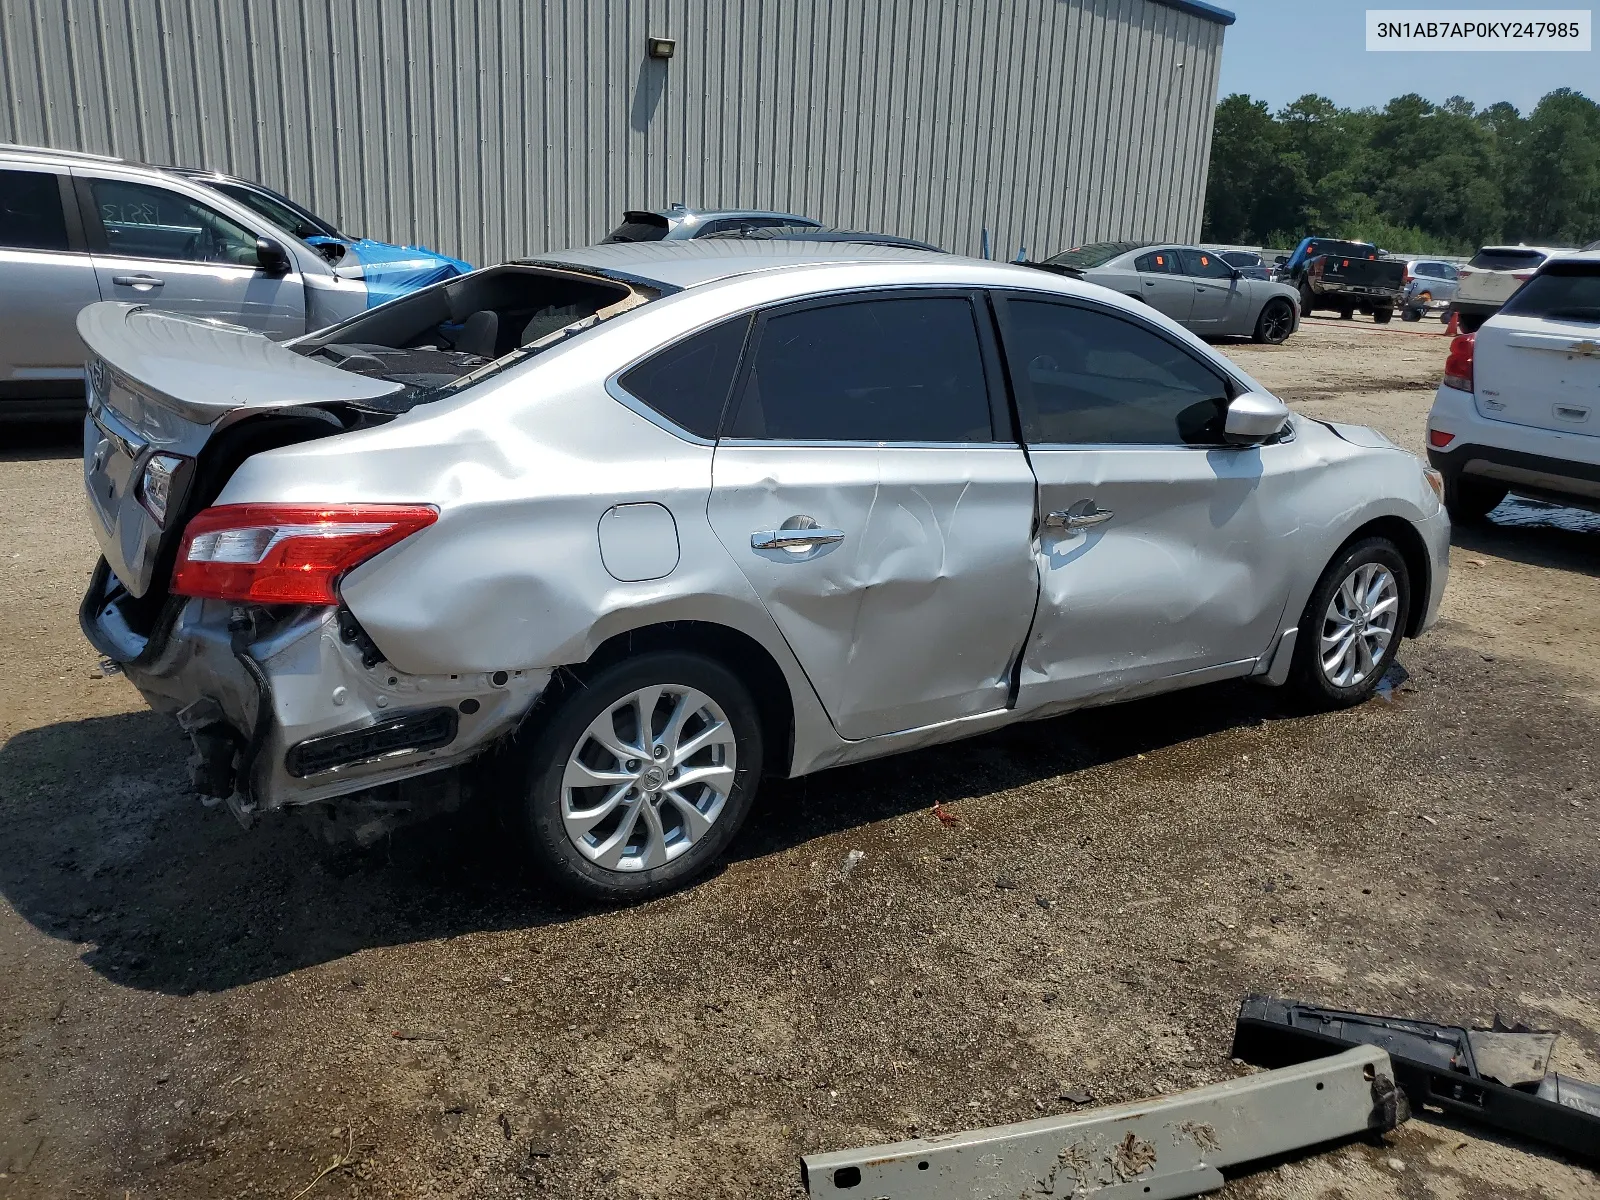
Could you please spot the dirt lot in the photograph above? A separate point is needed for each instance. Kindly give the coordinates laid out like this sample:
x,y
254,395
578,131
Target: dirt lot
x,y
189,1010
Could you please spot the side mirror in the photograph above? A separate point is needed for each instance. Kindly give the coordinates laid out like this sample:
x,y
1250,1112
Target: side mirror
x,y
1235,273
1280,260
1252,418
272,257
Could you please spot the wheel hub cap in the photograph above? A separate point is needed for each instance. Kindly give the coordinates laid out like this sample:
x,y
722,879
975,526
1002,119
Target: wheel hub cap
x,y
1359,625
649,778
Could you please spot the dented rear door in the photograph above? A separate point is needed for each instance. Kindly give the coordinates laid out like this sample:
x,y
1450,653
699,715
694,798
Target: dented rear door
x,y
862,491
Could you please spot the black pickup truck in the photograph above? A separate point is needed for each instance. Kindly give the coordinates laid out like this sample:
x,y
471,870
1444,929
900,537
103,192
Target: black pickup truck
x,y
1347,277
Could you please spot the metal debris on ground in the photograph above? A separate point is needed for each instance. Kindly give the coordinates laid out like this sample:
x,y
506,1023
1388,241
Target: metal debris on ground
x,y
1154,1149
946,817
851,861
1499,1076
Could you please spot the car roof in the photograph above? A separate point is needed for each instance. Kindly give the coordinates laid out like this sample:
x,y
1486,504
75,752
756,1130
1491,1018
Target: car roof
x,y
682,212
13,150
706,260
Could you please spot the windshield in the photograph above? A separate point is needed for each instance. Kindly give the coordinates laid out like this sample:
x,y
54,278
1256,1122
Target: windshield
x,y
1241,258
1562,292
302,224
638,227
1097,254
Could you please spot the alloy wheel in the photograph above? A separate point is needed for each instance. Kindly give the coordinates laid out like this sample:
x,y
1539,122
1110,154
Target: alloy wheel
x,y
1276,322
1359,624
648,778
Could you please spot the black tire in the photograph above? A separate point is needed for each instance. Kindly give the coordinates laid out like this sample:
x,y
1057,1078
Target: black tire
x,y
1275,322
537,769
1470,322
1347,314
1307,299
1411,314
1470,501
1310,684
1382,315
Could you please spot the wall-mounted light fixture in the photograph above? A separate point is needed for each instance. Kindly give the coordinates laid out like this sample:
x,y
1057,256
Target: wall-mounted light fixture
x,y
662,47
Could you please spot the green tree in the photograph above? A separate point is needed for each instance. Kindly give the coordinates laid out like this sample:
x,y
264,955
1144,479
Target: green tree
x,y
1558,192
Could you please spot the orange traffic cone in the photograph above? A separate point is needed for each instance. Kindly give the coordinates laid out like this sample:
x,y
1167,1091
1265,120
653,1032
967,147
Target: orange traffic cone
x,y
1454,328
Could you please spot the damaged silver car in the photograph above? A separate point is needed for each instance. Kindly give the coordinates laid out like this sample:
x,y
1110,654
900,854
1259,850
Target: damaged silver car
x,y
636,525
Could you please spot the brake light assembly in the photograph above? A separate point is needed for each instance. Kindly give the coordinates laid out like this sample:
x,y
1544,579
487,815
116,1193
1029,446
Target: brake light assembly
x,y
1458,367
287,553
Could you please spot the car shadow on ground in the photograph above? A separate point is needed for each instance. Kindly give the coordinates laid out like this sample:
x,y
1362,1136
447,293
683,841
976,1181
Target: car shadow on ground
x,y
26,441
1536,534
102,844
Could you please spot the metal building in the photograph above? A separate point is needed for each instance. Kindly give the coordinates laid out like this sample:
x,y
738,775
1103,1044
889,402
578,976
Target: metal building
x,y
494,128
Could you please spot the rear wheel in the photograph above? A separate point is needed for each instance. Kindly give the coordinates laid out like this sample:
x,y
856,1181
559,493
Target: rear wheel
x,y
1350,630
1382,315
1468,500
1275,322
1307,296
640,778
1347,314
1411,314
1470,322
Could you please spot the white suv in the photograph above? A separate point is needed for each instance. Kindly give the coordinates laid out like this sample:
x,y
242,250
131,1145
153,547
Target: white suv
x,y
1519,408
1492,277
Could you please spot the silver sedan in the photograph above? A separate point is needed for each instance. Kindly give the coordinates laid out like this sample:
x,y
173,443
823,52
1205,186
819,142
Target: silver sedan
x,y
1193,286
611,535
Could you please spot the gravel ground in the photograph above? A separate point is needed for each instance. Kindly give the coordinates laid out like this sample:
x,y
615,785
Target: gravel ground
x,y
189,1010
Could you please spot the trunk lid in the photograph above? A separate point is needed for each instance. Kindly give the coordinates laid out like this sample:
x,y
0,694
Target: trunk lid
x,y
1540,372
161,387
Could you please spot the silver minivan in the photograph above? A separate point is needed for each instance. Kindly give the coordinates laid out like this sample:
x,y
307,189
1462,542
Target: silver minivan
x,y
79,228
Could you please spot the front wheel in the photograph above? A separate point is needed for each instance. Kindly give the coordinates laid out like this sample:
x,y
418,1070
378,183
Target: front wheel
x,y
1350,630
1382,315
1275,322
640,777
1411,314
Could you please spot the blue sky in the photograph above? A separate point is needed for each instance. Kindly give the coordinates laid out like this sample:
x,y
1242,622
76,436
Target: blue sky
x,y
1280,49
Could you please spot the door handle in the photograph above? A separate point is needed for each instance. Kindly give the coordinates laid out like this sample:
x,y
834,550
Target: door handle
x,y
794,539
1149,283
137,281
1082,515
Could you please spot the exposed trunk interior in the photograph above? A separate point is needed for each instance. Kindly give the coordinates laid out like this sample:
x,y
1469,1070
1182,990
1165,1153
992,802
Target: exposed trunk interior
x,y
440,336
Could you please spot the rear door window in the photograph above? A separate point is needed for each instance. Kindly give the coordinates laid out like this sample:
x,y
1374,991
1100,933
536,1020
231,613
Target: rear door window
x,y
902,369
1204,265
688,383
31,216
1157,262
1086,377
144,221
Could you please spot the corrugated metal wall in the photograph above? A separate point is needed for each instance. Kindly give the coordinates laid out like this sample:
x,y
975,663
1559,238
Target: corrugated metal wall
x,y
495,128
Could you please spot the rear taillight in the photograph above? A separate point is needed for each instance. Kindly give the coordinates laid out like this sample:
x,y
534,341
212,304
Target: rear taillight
x,y
1406,278
1463,273
1523,275
1458,367
286,553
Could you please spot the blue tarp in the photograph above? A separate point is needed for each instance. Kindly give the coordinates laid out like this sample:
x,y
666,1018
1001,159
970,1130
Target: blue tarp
x,y
392,271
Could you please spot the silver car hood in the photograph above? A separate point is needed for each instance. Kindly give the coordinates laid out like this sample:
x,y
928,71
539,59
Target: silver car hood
x,y
204,369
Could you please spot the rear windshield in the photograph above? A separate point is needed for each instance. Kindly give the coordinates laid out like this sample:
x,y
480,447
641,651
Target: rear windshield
x,y
1241,258
1341,249
1509,259
1096,254
1563,291
638,227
